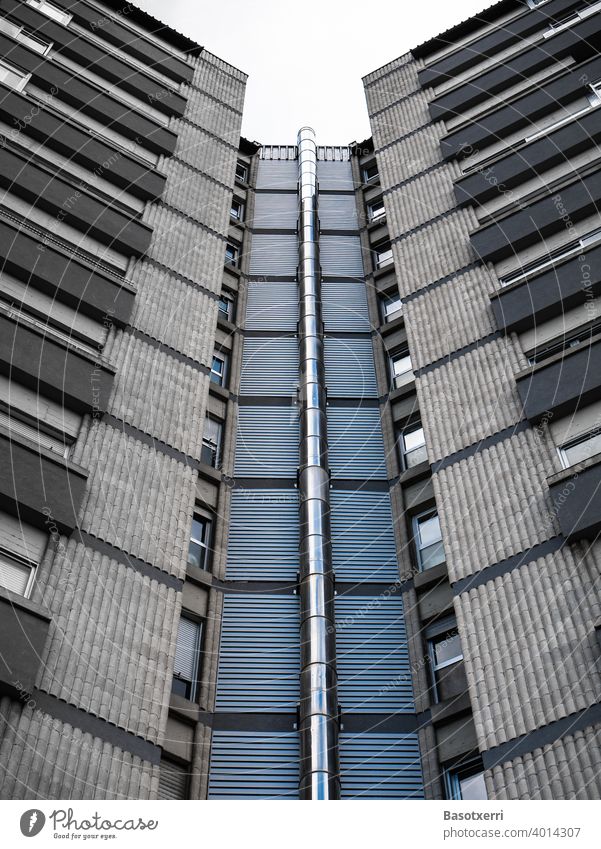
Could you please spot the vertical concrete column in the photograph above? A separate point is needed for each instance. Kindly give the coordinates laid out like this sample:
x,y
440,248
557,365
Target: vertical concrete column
x,y
319,701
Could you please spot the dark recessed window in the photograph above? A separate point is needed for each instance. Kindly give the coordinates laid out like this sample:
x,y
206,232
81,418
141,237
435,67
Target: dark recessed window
x,y
187,657
401,369
226,306
219,369
466,782
232,255
211,442
382,255
370,173
376,210
174,780
242,172
237,210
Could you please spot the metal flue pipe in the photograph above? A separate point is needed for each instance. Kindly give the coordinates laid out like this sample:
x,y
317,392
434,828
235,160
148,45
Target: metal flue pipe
x,y
318,712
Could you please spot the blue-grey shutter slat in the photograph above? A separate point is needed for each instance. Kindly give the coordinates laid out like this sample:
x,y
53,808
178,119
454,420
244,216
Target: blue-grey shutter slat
x,y
254,765
259,654
350,370
271,306
277,174
273,254
335,176
374,674
341,256
267,442
380,766
363,544
264,535
279,211
344,304
338,212
356,448
270,367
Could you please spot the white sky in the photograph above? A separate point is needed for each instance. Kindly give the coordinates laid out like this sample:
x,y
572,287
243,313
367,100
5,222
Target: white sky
x,y
305,59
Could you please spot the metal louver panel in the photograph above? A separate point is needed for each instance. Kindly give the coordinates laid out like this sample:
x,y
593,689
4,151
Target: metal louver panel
x,y
277,174
267,442
344,304
279,211
173,781
253,765
274,254
380,766
186,651
341,256
356,448
374,674
350,369
338,212
259,658
264,535
363,544
271,306
335,176
269,367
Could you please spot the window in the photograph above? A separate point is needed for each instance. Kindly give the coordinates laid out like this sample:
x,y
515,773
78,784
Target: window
x,y
580,449
428,540
466,782
553,258
25,37
226,306
187,656
211,442
572,19
412,444
13,77
376,210
173,780
400,366
200,540
370,173
444,649
16,574
242,172
564,343
51,11
534,3
237,210
219,369
391,307
382,255
232,254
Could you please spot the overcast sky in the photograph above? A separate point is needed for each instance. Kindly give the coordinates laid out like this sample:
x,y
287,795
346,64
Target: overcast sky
x,y
306,59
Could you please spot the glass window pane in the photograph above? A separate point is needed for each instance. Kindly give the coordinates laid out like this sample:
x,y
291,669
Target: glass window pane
x,y
401,365
413,439
429,531
582,450
473,787
199,529
14,576
196,555
432,555
448,648
415,457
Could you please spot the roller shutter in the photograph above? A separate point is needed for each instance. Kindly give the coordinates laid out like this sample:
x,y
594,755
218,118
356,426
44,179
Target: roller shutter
x,y
344,304
350,369
269,367
380,766
253,765
264,535
341,256
267,442
279,211
273,255
335,176
259,658
277,174
363,544
338,212
355,443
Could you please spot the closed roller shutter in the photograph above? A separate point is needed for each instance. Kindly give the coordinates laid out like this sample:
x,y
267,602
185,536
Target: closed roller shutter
x,y
22,540
254,765
338,212
350,369
267,442
173,781
363,543
341,256
335,176
374,675
344,305
274,255
187,648
259,655
380,766
269,367
264,535
279,211
356,448
277,174
271,306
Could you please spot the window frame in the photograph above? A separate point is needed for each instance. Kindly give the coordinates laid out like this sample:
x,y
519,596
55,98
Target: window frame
x,y
229,314
238,218
193,683
397,356
219,378
454,775
589,436
10,556
377,251
370,216
236,249
367,180
416,520
244,167
59,16
12,69
24,36
387,299
218,445
206,520
411,427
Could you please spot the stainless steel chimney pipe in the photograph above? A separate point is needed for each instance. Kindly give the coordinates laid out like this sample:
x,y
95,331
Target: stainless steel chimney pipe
x,y
318,714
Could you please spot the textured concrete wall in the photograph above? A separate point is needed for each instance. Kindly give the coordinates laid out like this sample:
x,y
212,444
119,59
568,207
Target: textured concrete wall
x,y
112,639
